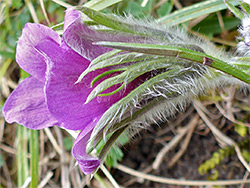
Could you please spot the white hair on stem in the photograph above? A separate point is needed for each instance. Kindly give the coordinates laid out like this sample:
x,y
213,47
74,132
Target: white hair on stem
x,y
170,94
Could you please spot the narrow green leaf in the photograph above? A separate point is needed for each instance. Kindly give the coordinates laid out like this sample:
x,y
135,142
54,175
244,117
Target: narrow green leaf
x,y
1,160
129,75
7,15
100,4
17,4
234,10
105,56
4,67
112,61
182,53
113,92
243,63
165,9
110,142
100,76
246,7
22,160
194,11
210,26
34,163
68,142
58,26
100,179
128,100
7,54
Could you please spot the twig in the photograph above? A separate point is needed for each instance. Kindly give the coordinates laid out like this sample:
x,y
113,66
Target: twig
x,y
177,4
231,118
135,179
44,12
178,181
186,141
5,90
66,5
242,160
109,176
161,2
26,183
63,160
221,23
74,134
8,149
53,141
160,156
194,22
32,11
220,135
177,121
75,176
245,177
7,175
45,180
144,3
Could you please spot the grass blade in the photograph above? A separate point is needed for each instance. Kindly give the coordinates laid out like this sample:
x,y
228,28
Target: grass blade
x,y
194,11
234,10
100,4
22,160
34,149
4,67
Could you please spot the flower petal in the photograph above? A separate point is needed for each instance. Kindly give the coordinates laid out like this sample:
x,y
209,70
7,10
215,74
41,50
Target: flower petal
x,y
80,38
76,35
71,15
26,54
26,105
66,99
86,162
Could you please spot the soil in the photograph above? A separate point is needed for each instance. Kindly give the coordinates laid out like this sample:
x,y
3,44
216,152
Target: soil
x,y
141,152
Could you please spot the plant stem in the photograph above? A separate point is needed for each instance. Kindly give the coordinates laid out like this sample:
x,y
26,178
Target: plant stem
x,y
34,149
22,160
181,53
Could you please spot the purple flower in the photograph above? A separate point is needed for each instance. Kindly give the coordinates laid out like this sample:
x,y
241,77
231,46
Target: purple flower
x,y
153,86
50,95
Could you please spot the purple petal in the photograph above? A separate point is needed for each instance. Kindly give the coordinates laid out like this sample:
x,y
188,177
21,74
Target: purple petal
x,y
71,15
26,54
76,36
80,38
66,99
87,163
26,105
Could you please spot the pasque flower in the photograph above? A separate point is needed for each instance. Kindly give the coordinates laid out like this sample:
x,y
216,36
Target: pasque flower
x,y
131,89
50,95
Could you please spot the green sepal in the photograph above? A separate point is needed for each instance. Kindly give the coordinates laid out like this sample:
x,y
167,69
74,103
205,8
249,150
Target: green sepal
x,y
129,75
107,20
105,56
100,76
105,61
113,22
128,100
